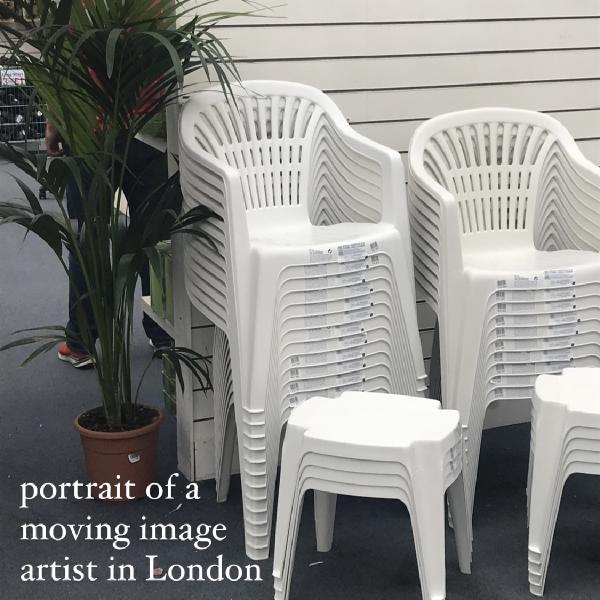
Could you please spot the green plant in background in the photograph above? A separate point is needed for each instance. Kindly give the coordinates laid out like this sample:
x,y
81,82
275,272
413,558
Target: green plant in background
x,y
105,69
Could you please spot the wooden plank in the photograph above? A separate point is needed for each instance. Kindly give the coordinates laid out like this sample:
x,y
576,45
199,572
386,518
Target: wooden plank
x,y
287,41
427,71
202,339
386,11
148,310
183,337
203,405
413,104
204,450
397,134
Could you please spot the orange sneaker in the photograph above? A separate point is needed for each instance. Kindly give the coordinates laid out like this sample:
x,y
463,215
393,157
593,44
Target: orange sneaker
x,y
80,360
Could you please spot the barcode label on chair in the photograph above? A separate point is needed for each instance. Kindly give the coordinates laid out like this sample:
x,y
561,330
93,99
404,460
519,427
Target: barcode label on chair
x,y
561,355
357,303
349,252
349,378
314,283
349,353
361,314
559,277
349,329
316,255
353,340
351,365
553,278
315,307
315,295
315,270
308,360
316,321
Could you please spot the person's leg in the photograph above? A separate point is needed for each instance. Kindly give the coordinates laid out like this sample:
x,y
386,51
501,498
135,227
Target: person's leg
x,y
73,351
146,170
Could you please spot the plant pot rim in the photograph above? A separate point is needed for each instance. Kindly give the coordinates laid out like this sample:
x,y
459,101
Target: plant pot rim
x,y
120,435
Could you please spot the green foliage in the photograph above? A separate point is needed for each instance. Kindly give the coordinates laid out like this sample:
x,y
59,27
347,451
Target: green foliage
x,y
105,69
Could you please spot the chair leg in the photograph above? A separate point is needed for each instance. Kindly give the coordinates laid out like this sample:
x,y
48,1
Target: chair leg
x,y
427,516
253,459
462,536
324,519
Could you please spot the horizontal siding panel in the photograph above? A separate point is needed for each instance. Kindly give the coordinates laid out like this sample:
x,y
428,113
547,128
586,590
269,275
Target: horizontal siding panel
x,y
409,38
591,150
428,71
422,103
385,11
397,134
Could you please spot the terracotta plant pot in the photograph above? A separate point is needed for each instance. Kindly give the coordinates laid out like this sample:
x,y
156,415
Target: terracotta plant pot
x,y
129,454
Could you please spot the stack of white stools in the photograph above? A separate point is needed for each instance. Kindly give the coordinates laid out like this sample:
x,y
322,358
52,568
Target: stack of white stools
x,y
505,219
565,439
379,446
307,271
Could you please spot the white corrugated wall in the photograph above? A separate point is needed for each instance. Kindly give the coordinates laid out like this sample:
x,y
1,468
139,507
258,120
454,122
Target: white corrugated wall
x,y
390,64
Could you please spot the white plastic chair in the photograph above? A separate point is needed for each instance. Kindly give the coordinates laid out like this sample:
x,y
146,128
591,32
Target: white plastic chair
x,y
379,446
565,439
505,224
310,274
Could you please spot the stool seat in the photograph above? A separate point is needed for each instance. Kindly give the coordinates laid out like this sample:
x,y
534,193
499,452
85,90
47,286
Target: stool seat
x,y
384,420
565,439
380,446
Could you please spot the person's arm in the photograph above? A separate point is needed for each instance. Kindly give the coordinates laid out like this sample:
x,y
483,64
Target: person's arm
x,y
54,141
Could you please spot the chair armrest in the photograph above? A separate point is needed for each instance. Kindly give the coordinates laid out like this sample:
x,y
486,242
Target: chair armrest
x,y
353,178
435,229
568,202
208,181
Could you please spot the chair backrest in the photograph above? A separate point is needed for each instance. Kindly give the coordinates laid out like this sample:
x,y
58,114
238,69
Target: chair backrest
x,y
489,160
264,135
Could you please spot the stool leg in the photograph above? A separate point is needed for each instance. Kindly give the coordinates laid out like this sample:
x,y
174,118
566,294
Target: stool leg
x,y
458,510
544,494
427,516
324,519
286,528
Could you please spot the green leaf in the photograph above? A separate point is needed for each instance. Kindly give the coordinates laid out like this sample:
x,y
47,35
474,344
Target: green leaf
x,y
31,197
111,46
40,350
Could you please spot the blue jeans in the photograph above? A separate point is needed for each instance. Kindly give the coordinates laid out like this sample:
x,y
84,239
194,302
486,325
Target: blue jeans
x,y
146,169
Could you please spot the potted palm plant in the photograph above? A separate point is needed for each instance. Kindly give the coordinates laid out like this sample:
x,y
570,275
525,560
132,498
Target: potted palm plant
x,y
104,70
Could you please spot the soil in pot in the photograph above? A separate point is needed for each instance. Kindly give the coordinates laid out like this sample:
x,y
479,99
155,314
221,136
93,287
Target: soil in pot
x,y
114,457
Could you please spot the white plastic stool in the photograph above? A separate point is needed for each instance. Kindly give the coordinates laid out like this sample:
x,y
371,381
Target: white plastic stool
x,y
379,446
565,437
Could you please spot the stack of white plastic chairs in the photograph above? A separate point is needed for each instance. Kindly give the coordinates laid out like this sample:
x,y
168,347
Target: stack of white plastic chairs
x,y
309,274
505,226
565,439
377,446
